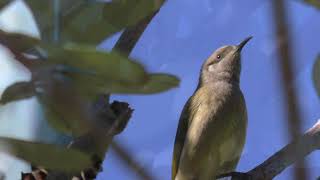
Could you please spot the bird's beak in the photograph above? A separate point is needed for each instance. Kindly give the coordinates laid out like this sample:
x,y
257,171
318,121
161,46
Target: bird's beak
x,y
243,43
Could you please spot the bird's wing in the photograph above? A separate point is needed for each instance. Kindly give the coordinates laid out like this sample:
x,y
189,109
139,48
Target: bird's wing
x,y
184,121
196,109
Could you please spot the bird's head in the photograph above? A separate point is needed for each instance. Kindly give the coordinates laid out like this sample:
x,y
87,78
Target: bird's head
x,y
223,65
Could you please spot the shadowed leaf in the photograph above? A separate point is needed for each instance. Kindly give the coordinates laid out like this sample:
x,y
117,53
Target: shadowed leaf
x,y
20,42
17,91
4,3
101,20
43,14
316,75
315,3
126,13
90,22
64,109
87,25
48,156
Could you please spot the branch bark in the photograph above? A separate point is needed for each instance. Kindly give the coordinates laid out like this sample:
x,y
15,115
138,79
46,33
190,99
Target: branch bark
x,y
291,153
289,92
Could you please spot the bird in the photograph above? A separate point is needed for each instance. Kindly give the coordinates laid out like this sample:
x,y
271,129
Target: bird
x,y
212,127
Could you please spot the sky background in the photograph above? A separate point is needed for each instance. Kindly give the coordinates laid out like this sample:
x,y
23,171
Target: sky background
x,y
178,40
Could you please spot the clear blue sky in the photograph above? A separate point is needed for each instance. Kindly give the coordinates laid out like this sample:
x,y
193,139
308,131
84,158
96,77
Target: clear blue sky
x,y
180,38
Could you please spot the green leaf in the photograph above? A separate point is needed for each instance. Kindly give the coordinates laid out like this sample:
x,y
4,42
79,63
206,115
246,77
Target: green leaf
x,y
316,75
64,109
156,83
315,3
90,22
18,41
90,68
123,13
87,25
17,91
96,21
49,156
43,14
159,83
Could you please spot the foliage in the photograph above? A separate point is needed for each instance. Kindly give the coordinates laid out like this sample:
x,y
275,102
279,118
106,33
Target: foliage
x,y
314,3
69,74
46,155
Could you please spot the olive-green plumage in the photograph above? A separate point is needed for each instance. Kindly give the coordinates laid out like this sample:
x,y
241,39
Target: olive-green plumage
x,y
212,126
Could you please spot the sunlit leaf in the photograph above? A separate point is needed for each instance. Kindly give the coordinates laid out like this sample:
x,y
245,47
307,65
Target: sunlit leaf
x,y
316,75
94,72
48,156
90,66
156,83
17,91
315,3
20,42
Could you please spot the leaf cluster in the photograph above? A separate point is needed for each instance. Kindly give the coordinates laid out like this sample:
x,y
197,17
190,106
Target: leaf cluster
x,y
69,73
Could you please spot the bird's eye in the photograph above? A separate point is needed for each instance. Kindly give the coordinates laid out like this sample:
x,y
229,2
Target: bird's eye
x,y
218,56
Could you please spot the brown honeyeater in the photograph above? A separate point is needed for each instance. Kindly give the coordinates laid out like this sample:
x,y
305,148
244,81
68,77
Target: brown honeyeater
x,y
212,127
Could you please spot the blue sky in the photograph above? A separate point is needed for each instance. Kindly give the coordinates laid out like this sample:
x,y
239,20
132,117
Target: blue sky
x,y
178,41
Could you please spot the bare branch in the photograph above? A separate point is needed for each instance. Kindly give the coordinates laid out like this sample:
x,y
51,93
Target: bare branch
x,y
291,153
289,94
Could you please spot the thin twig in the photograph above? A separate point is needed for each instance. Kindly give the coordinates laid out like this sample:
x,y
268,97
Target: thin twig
x,y
128,160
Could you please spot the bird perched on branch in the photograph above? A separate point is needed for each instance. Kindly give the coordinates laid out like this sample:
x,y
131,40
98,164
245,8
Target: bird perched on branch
x,y
212,126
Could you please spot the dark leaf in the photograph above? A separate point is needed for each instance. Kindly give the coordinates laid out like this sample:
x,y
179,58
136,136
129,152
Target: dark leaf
x,y
43,14
4,3
121,13
87,25
315,3
17,91
46,155
96,21
20,42
316,75
90,22
64,109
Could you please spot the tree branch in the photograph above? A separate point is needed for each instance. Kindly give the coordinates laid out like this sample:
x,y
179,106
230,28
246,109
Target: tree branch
x,y
291,153
289,93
